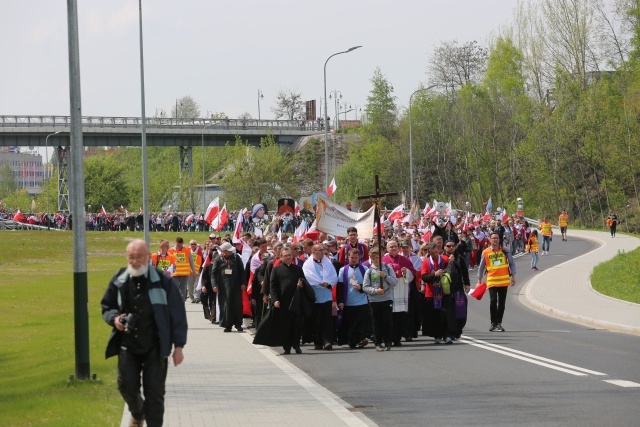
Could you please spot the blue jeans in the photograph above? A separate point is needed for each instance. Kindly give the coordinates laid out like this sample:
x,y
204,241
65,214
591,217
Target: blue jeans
x,y
534,259
546,243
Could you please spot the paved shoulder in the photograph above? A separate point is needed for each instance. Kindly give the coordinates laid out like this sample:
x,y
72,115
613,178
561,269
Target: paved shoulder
x,y
565,291
226,380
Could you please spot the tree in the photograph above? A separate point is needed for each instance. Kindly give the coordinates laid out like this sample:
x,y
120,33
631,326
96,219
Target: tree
x,y
104,182
245,116
381,107
288,105
7,180
452,66
258,174
185,108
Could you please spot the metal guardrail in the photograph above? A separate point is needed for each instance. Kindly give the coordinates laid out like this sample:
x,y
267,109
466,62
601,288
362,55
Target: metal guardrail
x,y
6,224
162,123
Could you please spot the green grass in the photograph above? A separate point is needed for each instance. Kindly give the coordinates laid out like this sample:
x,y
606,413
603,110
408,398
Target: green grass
x,y
37,354
619,277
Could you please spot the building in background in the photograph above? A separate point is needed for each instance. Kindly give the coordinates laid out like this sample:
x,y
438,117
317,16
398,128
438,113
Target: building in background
x,y
28,170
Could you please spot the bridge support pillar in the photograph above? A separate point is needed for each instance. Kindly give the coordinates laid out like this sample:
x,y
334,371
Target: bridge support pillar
x,y
63,183
186,161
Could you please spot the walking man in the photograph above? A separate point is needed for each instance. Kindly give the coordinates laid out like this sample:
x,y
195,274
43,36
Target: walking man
x,y
563,222
501,273
147,313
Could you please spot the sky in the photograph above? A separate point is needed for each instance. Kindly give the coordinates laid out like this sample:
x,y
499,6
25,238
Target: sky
x,y
221,53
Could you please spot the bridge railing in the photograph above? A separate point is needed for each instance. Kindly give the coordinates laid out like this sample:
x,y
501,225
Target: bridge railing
x,y
163,123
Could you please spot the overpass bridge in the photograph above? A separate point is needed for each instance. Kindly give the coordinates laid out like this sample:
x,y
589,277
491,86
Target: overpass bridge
x,y
54,131
31,131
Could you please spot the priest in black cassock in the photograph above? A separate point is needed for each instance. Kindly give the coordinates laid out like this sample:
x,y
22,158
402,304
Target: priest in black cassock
x,y
292,299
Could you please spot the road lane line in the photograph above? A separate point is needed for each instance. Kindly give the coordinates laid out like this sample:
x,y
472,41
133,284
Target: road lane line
x,y
622,383
533,356
515,356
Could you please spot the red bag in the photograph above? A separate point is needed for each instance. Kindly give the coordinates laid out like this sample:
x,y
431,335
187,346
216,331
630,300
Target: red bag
x,y
478,291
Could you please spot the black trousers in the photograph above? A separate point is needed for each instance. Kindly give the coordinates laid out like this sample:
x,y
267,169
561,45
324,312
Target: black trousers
x,y
323,324
498,297
292,329
355,323
208,301
258,310
381,313
401,327
153,370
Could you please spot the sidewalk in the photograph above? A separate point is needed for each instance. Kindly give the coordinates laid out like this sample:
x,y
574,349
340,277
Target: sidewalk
x,y
226,380
565,292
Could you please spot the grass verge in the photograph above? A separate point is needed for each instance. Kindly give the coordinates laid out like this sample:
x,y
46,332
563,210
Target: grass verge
x,y
619,277
37,328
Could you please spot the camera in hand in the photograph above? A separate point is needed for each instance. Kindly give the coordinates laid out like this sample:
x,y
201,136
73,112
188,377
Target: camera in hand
x,y
129,321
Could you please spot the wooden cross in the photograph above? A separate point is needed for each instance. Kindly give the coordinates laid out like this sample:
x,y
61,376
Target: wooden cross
x,y
377,198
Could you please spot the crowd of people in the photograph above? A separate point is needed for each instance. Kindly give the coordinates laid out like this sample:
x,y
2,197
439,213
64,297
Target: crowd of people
x,y
355,292
322,291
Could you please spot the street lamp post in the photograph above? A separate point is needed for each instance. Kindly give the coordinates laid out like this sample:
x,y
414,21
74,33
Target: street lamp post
x,y
411,138
204,206
324,119
143,137
336,101
260,96
46,153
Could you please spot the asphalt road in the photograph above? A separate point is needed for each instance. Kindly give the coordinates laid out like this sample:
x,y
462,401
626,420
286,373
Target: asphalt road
x,y
541,371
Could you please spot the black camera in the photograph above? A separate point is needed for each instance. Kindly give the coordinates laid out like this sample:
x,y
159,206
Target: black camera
x,y
129,321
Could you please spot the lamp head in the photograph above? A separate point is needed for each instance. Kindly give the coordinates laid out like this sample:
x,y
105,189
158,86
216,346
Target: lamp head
x,y
354,48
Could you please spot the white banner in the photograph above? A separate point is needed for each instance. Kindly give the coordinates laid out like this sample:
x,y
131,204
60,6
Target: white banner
x,y
334,219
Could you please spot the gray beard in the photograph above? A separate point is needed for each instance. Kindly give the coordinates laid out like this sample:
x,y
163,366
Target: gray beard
x,y
137,272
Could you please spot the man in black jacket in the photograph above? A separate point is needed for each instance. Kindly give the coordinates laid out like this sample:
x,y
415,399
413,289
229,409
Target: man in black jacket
x,y
147,313
229,280
287,279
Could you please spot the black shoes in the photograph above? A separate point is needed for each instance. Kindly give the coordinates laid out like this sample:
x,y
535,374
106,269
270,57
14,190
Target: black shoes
x,y
298,350
328,346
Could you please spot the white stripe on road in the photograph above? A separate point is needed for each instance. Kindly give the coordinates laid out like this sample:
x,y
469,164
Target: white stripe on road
x,y
532,358
622,383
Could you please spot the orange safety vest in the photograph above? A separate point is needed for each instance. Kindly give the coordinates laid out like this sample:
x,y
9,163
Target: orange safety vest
x,y
563,220
545,228
497,265
183,266
163,262
533,244
197,260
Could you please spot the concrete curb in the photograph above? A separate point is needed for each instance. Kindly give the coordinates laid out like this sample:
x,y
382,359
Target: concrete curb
x,y
527,299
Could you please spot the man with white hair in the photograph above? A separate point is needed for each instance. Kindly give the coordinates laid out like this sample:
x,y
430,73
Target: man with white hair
x,y
228,280
322,276
146,310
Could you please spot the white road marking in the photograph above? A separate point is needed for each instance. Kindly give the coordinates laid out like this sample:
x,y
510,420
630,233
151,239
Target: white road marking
x,y
533,356
622,383
339,407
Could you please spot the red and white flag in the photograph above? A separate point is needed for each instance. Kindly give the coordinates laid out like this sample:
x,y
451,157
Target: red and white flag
x,y
299,233
19,216
238,231
426,209
396,213
221,219
297,209
212,210
103,210
332,187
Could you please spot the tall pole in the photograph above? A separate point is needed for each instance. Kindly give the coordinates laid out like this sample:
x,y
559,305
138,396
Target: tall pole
x,y
76,190
324,119
204,206
259,96
411,139
46,153
145,178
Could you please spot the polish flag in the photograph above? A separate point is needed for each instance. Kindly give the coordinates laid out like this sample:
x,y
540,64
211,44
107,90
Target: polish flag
x,y
221,219
426,209
140,211
297,209
238,231
332,187
447,209
478,291
297,235
212,210
19,216
396,213
188,219
103,210
126,213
